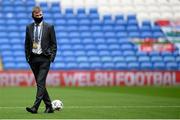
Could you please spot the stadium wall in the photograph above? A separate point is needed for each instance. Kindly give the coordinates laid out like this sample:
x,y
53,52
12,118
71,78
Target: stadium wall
x,y
93,78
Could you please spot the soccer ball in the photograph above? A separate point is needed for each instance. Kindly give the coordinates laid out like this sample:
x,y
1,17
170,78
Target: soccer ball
x,y
57,105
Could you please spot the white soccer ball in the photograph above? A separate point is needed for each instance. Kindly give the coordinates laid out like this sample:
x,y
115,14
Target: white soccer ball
x,y
57,105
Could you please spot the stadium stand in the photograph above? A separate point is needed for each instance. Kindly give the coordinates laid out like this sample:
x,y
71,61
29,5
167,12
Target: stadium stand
x,y
92,34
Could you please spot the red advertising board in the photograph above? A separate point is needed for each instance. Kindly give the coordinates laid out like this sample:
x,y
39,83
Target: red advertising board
x,y
93,78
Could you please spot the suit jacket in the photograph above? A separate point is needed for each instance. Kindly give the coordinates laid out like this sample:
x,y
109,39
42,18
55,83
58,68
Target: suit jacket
x,y
48,41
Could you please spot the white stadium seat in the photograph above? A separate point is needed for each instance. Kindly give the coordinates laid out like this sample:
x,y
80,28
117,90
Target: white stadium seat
x,y
162,2
114,2
139,2
150,2
167,15
78,4
90,3
103,3
155,16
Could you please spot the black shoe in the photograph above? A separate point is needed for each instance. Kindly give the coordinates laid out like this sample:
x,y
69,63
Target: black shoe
x,y
49,110
32,110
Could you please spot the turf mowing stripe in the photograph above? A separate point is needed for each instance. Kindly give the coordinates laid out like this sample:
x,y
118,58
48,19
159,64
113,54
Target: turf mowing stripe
x,y
85,107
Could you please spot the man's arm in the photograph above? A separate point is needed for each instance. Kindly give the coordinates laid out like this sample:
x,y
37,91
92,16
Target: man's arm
x,y
27,45
53,44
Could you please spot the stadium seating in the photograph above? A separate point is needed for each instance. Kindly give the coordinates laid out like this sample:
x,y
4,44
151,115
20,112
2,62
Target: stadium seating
x,y
91,34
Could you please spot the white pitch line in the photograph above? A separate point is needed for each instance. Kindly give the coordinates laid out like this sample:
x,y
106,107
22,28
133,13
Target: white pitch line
x,y
86,107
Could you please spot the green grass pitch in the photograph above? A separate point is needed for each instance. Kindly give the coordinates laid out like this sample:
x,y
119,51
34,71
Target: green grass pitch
x,y
95,103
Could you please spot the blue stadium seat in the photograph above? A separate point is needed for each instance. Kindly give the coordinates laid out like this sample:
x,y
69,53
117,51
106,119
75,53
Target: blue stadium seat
x,y
92,53
169,59
84,22
116,53
106,59
67,53
107,28
119,17
4,40
69,59
108,66
141,53
159,65
119,28
18,53
90,47
99,40
84,65
94,59
71,22
82,59
20,9
129,53
86,34
80,53
97,35
132,28
6,53
134,34
81,11
59,65
65,47
102,47
144,59
133,66
146,66
5,47
118,59
87,40
22,15
9,65
20,59
6,2
131,17
154,53
146,34
8,8
127,46
77,47
74,34
131,59
69,11
171,66
96,65
71,65
166,53
111,40
104,53
109,34
114,47
121,35
158,34
93,11
146,23
96,28
178,59
156,58
83,28
121,66
8,59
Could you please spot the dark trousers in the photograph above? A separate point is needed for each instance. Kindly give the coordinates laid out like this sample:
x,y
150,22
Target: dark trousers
x,y
40,66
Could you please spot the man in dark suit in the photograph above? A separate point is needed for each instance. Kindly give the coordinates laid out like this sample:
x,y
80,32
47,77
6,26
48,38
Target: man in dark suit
x,y
40,51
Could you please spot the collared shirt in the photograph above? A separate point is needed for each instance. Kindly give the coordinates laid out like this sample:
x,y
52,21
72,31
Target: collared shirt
x,y
38,50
